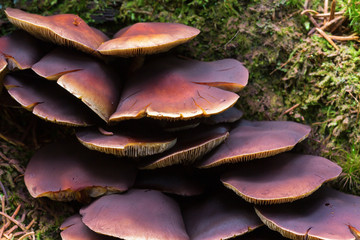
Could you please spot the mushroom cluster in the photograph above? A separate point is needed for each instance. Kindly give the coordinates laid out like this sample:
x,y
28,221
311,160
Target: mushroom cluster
x,y
160,150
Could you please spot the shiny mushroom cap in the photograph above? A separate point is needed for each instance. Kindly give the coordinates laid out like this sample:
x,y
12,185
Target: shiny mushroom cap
x,y
74,229
219,215
96,84
281,178
147,38
327,214
249,140
63,29
68,171
191,145
130,140
136,214
47,101
170,88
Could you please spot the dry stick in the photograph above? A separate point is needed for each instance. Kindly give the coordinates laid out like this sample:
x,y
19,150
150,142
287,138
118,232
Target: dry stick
x,y
337,25
327,38
326,7
332,12
13,220
322,15
330,23
343,38
27,235
290,109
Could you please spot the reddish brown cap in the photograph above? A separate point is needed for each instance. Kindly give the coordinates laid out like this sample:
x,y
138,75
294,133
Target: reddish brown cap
x,y
68,171
326,214
76,72
250,140
164,90
130,141
147,38
74,229
48,101
219,216
19,50
279,179
136,214
64,29
191,145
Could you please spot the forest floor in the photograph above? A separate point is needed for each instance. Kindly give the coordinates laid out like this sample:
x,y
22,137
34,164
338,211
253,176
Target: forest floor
x,y
293,76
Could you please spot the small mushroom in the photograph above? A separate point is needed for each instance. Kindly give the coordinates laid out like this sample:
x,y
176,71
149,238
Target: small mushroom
x,y
63,29
326,214
220,215
147,38
272,180
168,89
191,145
75,72
74,229
68,171
48,101
249,140
130,140
136,214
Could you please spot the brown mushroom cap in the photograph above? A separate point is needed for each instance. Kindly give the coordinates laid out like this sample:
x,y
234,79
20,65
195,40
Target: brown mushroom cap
x,y
68,171
20,51
174,180
191,145
164,90
279,179
136,214
219,216
47,101
64,29
147,38
76,72
249,140
326,214
131,141
74,229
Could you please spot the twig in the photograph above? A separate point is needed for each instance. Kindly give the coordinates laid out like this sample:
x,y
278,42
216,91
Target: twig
x,y
328,24
322,15
337,25
332,12
13,220
327,38
27,235
326,7
290,109
343,38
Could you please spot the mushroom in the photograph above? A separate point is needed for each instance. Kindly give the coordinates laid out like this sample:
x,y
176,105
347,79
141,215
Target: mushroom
x,y
47,100
75,72
219,215
272,180
147,38
68,171
136,214
249,140
74,229
130,140
63,29
230,115
191,145
169,89
326,214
